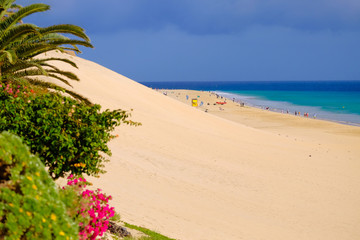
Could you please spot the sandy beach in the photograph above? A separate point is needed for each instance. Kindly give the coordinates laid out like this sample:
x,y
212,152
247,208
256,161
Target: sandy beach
x,y
260,118
235,173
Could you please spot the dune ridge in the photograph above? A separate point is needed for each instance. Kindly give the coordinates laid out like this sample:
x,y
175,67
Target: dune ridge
x,y
189,174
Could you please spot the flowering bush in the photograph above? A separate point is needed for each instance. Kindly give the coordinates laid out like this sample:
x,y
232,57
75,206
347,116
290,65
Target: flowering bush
x,y
30,204
15,90
68,136
92,210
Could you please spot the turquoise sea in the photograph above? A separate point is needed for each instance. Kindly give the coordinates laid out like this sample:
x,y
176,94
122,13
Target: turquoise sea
x,y
330,100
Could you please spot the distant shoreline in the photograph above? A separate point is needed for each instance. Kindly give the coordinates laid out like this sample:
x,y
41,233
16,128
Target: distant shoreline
x,y
335,101
274,110
321,85
275,106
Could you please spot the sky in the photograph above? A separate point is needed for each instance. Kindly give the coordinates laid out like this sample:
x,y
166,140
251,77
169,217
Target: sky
x,y
216,40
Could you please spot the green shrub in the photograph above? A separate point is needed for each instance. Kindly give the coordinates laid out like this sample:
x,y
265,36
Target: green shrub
x,y
30,204
68,136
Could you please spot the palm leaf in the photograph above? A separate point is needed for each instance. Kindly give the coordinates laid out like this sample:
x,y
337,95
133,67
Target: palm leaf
x,y
7,55
50,73
23,12
14,34
67,29
67,74
49,85
4,6
57,59
24,64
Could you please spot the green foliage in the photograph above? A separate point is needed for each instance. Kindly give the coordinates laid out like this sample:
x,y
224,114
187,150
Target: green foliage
x,y
67,135
30,204
151,235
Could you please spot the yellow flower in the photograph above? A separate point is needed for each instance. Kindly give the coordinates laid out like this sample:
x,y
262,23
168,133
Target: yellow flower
x,y
53,217
62,233
37,197
28,177
20,210
37,174
28,213
11,205
34,187
43,220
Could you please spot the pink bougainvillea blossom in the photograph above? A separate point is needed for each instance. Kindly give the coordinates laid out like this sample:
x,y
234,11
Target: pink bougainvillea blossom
x,y
96,210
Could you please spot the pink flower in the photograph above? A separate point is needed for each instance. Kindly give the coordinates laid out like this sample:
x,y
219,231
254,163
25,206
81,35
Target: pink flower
x,y
96,210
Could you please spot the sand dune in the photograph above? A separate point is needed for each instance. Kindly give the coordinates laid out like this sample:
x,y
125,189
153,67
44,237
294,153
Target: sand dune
x,y
238,174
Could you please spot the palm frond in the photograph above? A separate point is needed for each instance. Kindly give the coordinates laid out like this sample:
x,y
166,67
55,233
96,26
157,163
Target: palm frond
x,y
65,60
15,6
71,42
25,64
16,33
44,37
10,21
67,29
27,51
49,85
4,6
49,73
8,55
60,79
67,74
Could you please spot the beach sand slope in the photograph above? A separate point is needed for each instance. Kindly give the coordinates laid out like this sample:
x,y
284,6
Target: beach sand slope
x,y
189,174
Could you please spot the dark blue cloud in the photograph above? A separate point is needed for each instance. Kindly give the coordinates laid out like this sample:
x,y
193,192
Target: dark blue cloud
x,y
207,16
206,40
262,53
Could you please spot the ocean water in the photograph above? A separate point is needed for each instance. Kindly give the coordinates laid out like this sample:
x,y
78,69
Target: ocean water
x,y
330,100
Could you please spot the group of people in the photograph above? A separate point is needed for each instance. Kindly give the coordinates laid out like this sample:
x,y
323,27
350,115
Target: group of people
x,y
306,114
